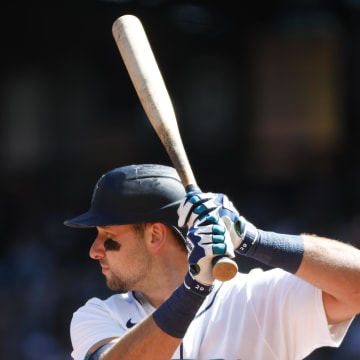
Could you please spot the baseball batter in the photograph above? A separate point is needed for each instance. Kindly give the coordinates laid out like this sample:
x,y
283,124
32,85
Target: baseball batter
x,y
156,244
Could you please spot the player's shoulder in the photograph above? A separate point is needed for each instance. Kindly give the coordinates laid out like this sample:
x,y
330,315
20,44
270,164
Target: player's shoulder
x,y
115,306
116,300
129,300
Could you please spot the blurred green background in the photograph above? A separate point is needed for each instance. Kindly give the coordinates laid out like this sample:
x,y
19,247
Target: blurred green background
x,y
267,96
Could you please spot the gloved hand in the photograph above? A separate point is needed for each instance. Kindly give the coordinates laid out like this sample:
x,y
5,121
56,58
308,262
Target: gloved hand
x,y
207,238
194,205
243,234
197,204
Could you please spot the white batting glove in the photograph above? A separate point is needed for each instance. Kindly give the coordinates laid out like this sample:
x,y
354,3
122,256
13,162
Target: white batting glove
x,y
207,239
243,234
195,205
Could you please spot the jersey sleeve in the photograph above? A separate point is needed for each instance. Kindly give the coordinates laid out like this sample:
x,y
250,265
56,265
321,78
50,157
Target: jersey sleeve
x,y
91,323
293,317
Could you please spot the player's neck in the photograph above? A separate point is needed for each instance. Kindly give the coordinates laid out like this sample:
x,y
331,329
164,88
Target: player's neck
x,y
163,284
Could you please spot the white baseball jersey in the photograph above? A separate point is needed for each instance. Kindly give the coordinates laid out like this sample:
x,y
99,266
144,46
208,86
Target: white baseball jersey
x,y
256,316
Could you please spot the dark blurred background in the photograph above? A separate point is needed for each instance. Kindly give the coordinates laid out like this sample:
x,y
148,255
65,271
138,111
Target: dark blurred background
x,y
267,99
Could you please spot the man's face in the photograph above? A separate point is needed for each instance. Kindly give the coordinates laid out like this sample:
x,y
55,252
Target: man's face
x,y
122,255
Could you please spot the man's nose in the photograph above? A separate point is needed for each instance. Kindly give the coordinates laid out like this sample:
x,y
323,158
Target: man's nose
x,y
97,250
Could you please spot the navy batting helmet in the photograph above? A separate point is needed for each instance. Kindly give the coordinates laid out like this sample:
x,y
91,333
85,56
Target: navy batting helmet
x,y
134,194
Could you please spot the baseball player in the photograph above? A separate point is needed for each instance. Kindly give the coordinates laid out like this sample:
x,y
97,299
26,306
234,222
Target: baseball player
x,y
156,245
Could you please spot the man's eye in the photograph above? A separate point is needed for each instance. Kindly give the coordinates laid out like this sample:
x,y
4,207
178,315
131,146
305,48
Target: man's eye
x,y
110,244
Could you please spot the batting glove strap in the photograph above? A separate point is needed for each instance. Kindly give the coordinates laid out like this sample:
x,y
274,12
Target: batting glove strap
x,y
249,236
195,287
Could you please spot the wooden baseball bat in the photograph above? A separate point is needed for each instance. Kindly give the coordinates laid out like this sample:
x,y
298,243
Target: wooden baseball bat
x,y
140,62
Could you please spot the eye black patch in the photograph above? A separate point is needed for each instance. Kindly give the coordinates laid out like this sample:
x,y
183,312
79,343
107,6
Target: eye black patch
x,y
111,245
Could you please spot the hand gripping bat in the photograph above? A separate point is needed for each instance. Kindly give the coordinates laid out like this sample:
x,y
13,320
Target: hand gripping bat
x,y
146,77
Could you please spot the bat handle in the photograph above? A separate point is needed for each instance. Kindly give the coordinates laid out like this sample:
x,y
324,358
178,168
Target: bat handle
x,y
224,268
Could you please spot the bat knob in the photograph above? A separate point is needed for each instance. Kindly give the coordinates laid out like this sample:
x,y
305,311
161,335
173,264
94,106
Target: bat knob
x,y
224,268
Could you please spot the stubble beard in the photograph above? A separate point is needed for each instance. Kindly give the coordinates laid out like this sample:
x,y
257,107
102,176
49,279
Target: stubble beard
x,y
121,285
116,284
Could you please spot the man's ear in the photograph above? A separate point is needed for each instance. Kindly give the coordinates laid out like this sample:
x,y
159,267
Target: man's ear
x,y
158,233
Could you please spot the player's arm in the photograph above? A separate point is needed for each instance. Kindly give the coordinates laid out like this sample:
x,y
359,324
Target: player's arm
x,y
330,265
334,267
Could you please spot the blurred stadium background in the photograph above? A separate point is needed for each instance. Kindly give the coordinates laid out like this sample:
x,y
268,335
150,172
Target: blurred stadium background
x,y
267,98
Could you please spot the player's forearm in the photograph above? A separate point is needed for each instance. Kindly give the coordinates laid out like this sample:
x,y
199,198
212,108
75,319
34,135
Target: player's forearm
x,y
158,336
334,267
331,265
144,341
